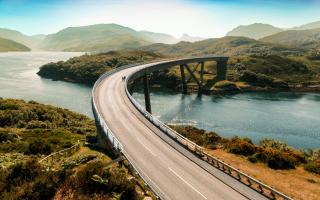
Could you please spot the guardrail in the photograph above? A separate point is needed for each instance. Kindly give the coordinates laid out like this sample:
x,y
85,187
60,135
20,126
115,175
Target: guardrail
x,y
114,140
199,151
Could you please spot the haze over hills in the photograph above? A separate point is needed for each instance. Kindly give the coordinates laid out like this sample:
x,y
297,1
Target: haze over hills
x,y
106,37
10,45
300,38
255,31
259,30
30,41
228,45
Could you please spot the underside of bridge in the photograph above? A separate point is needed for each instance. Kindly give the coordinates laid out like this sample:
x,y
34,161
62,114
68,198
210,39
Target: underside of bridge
x,y
188,72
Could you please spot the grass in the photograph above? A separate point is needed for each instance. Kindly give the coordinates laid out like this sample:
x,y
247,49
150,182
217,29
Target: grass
x,y
297,183
29,131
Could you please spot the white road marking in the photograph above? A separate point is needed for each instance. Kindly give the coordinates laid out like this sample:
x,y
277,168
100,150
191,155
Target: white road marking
x,y
146,147
187,183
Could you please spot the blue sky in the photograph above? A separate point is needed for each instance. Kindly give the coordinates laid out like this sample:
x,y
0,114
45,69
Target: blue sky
x,y
206,18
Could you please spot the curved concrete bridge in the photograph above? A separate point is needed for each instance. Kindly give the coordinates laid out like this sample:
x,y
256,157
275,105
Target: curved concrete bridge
x,y
172,166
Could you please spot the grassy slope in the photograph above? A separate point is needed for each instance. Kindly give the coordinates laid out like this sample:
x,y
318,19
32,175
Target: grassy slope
x,y
29,131
295,182
276,61
97,38
9,45
299,38
255,31
87,68
228,46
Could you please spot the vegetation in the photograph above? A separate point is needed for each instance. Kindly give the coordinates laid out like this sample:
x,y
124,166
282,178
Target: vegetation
x,y
87,68
9,45
255,31
274,154
101,38
29,131
301,38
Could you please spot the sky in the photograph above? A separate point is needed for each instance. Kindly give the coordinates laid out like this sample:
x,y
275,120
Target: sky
x,y
204,18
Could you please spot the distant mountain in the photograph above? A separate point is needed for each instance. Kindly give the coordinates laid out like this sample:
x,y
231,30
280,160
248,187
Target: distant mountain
x,y
102,38
9,45
255,31
300,38
29,41
188,38
158,37
229,45
312,25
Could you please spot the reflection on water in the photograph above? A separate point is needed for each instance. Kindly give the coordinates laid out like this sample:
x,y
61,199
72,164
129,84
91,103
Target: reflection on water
x,y
18,79
290,117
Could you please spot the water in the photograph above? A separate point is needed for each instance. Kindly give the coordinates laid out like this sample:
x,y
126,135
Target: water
x,y
18,79
290,117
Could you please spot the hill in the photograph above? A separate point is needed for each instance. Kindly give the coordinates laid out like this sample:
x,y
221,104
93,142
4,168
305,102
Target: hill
x,y
158,37
29,131
189,38
299,38
87,68
255,31
29,41
9,45
312,25
228,45
102,38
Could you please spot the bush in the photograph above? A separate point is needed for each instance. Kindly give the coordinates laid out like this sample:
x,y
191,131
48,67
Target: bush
x,y
39,147
23,172
276,159
255,78
313,166
241,146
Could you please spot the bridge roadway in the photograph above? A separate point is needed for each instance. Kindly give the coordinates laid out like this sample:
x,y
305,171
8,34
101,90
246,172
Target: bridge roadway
x,y
174,175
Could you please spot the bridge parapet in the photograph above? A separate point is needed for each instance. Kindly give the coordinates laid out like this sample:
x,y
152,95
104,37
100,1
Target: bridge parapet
x,y
198,150
251,182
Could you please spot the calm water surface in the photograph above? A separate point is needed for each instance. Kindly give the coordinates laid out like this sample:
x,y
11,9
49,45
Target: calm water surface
x,y
290,117
18,79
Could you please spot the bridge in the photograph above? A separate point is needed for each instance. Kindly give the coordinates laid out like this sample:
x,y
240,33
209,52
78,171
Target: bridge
x,y
171,165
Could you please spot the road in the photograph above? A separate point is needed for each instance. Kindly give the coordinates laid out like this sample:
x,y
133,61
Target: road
x,y
175,175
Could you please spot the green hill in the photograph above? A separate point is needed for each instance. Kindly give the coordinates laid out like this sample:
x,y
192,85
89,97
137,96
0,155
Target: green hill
x,y
29,41
229,45
299,38
158,37
29,131
101,38
9,45
255,31
87,68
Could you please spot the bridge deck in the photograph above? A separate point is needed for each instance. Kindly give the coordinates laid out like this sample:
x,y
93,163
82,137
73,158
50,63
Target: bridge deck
x,y
174,175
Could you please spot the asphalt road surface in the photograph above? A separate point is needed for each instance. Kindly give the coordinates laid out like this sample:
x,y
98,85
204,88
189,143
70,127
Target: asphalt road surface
x,y
174,175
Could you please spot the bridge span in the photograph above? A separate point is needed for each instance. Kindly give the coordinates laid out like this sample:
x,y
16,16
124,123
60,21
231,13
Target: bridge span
x,y
161,156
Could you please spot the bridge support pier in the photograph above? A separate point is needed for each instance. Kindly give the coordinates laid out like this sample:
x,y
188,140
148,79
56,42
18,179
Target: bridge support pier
x,y
183,80
222,69
146,92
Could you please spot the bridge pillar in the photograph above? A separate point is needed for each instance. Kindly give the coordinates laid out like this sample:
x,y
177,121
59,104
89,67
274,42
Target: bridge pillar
x,y
201,78
183,79
146,93
222,69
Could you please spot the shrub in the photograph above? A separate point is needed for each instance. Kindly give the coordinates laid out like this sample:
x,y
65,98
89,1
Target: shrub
x,y
241,146
39,147
276,159
255,78
226,85
23,172
313,166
